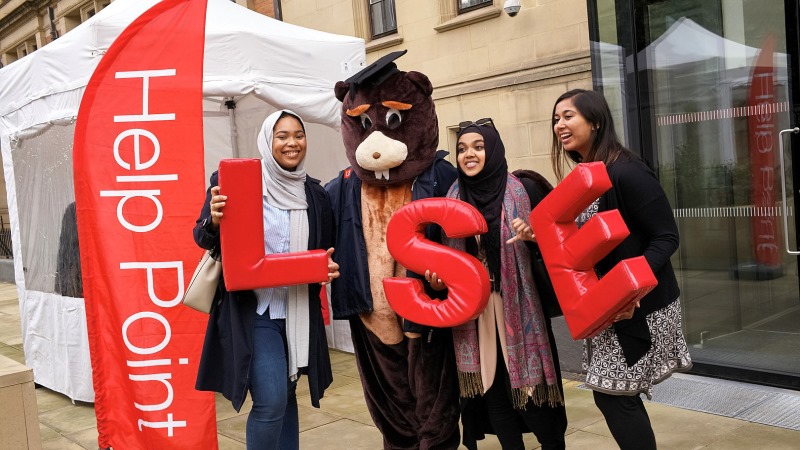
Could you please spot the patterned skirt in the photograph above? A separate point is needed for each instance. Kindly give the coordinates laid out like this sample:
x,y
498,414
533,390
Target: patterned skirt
x,y
607,371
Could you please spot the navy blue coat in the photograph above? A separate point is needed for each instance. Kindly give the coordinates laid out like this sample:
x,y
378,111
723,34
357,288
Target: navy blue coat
x,y
228,347
351,291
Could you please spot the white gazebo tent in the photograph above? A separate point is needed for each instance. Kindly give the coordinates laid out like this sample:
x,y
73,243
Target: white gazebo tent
x,y
253,65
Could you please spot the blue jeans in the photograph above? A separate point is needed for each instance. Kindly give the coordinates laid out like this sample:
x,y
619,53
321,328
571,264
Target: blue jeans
x,y
273,421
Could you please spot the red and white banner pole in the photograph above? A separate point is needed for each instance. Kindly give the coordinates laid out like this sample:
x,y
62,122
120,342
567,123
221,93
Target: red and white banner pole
x,y
763,137
138,170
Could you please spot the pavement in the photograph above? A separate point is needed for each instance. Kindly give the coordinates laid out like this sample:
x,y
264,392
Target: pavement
x,y
343,422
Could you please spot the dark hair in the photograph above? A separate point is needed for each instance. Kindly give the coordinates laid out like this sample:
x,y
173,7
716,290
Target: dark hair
x,y
605,147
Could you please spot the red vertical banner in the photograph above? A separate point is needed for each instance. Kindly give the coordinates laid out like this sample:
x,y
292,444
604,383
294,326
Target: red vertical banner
x,y
762,144
138,169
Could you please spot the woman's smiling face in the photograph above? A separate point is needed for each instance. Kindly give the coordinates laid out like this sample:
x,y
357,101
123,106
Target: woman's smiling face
x,y
572,129
288,143
471,154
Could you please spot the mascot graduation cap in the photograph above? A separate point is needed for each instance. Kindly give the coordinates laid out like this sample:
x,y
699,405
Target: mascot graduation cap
x,y
391,135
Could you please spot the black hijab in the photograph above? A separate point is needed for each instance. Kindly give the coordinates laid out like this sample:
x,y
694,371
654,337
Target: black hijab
x,y
485,191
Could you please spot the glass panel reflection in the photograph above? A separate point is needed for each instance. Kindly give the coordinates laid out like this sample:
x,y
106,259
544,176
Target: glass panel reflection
x,y
718,93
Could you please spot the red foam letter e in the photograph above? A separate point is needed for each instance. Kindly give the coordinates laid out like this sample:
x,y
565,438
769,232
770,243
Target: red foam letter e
x,y
570,254
466,278
244,265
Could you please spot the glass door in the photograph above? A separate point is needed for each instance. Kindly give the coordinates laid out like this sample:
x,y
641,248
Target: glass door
x,y
714,94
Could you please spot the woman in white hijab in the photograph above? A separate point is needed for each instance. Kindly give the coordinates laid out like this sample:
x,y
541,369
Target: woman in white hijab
x,y
256,339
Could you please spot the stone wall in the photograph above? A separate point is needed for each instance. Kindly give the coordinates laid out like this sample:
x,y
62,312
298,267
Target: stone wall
x,y
482,63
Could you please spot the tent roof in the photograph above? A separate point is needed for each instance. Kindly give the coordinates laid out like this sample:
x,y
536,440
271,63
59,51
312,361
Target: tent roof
x,y
246,52
687,42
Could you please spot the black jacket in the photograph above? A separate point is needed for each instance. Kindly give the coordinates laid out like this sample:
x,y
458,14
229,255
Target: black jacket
x,y
228,347
351,291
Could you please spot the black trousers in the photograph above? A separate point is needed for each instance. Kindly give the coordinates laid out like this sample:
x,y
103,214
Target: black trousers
x,y
628,421
547,423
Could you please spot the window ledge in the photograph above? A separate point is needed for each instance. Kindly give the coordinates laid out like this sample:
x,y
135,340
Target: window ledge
x,y
462,20
383,42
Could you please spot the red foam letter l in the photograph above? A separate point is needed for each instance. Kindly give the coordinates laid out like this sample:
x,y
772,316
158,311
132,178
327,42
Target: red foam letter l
x,y
466,278
570,254
244,265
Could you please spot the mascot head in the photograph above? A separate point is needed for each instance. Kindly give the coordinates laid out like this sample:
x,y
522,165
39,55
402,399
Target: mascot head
x,y
389,124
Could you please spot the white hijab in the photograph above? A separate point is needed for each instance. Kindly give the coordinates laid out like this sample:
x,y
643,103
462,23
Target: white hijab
x,y
283,189
286,190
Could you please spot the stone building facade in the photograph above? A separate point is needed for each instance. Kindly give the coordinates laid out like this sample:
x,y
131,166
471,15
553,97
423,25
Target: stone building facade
x,y
27,25
481,61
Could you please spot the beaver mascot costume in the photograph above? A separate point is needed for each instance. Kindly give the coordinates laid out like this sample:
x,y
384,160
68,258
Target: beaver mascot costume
x,y
408,373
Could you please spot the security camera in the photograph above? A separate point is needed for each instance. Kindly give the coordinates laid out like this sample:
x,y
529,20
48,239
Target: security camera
x,y
511,7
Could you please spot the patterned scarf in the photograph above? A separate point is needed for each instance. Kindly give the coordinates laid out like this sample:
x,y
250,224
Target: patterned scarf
x,y
530,362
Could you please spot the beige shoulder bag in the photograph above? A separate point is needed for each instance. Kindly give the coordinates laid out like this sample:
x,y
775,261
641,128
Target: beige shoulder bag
x,y
199,294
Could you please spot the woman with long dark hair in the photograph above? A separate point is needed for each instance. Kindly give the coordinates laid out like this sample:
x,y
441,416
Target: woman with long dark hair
x,y
645,344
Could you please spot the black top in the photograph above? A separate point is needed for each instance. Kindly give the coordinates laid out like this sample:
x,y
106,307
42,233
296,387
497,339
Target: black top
x,y
644,207
69,282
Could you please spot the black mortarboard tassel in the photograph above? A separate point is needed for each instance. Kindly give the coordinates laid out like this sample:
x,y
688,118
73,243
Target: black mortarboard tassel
x,y
375,73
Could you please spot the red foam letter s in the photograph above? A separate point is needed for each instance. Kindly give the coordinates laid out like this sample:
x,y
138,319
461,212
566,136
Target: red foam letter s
x,y
570,254
244,265
466,278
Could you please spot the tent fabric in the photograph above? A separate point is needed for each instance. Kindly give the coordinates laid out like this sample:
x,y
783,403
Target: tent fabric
x,y
687,42
245,52
260,63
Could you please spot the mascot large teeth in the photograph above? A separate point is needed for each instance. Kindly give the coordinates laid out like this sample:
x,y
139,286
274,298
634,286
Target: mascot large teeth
x,y
390,133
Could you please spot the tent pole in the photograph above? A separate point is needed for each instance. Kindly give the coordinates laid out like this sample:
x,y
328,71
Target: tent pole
x,y
231,104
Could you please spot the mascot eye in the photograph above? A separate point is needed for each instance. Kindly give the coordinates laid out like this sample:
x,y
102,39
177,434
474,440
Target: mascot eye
x,y
366,122
393,118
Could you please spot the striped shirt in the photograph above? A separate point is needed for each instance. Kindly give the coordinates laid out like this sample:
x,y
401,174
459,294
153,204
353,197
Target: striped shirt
x,y
276,240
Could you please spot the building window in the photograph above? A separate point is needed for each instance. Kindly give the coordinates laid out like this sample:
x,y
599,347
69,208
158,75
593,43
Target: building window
x,y
27,47
470,5
87,13
382,17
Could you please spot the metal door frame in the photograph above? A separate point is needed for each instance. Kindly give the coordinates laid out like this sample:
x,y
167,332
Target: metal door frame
x,y
642,140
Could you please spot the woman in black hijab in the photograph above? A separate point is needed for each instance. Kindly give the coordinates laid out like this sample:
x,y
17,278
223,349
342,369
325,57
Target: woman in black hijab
x,y
482,183
508,369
